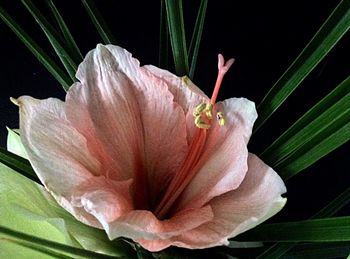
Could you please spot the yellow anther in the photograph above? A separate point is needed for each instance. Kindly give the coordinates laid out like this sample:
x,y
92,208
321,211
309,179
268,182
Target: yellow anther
x,y
199,109
196,114
221,119
209,111
200,123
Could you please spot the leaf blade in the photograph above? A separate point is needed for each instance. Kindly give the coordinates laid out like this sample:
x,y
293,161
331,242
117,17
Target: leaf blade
x,y
29,208
177,36
323,41
98,21
196,37
68,63
69,39
284,143
279,249
294,165
163,38
316,251
43,243
312,230
18,164
37,51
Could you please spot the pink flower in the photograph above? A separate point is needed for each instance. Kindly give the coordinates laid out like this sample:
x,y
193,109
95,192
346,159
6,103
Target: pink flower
x,y
147,155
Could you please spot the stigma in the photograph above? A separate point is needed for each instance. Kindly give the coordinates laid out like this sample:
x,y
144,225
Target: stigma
x,y
203,113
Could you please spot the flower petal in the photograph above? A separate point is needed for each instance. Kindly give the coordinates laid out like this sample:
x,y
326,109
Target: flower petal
x,y
57,152
133,116
223,164
101,200
257,199
185,93
146,229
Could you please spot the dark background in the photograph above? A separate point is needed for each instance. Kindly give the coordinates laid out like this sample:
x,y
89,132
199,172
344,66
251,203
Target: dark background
x,y
263,36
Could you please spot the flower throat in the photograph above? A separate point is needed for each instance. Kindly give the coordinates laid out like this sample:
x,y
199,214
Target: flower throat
x,y
203,118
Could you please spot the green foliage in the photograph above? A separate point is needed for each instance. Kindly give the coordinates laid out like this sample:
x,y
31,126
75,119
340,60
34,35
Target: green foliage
x,y
197,36
313,230
53,37
37,51
33,225
279,249
337,24
98,21
319,131
177,36
27,209
68,37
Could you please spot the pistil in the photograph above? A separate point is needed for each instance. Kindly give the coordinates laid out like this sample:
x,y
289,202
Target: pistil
x,y
203,115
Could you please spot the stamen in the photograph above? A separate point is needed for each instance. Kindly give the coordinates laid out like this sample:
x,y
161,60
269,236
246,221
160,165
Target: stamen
x,y
200,123
199,109
221,119
209,111
204,112
203,115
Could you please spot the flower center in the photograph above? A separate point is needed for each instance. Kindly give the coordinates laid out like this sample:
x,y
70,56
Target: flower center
x,y
203,116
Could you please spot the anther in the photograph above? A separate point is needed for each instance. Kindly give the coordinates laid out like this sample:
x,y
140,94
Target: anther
x,y
209,111
220,118
203,113
199,109
198,121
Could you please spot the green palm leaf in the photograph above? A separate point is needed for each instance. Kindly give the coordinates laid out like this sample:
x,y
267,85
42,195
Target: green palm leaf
x,y
177,36
279,249
37,51
68,37
324,40
302,130
53,37
313,230
163,61
321,130
98,21
316,251
196,37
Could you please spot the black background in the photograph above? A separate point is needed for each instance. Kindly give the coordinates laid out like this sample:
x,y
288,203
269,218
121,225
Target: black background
x,y
263,36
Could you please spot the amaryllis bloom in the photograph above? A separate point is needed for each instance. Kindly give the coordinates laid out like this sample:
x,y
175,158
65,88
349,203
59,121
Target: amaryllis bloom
x,y
147,155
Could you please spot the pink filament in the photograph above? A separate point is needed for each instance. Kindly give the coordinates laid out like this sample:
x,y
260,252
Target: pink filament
x,y
188,169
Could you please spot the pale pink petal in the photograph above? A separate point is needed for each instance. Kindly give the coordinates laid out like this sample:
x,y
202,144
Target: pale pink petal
x,y
131,115
57,152
101,200
257,199
185,93
142,225
223,164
